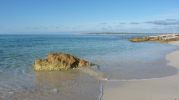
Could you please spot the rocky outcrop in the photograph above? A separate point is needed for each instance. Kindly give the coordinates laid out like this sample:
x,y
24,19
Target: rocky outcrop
x,y
139,39
159,38
60,61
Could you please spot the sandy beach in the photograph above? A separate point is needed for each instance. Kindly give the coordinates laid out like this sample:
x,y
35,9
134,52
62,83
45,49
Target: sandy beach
x,y
166,88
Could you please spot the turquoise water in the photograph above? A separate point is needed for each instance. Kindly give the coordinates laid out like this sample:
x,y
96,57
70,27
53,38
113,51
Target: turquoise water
x,y
118,59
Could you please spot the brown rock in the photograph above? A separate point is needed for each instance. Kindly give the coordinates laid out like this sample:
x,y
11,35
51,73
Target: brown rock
x,y
59,61
139,39
82,63
157,38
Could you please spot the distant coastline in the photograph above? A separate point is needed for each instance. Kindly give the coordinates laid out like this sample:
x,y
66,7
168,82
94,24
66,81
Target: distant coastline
x,y
113,33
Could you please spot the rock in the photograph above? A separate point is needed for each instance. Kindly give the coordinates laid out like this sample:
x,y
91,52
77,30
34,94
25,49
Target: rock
x,y
158,38
139,39
55,90
59,61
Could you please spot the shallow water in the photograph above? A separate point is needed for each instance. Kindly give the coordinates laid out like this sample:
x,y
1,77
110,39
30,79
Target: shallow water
x,y
117,57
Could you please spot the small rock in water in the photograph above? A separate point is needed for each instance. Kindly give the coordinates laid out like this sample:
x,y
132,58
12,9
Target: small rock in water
x,y
105,79
10,92
55,90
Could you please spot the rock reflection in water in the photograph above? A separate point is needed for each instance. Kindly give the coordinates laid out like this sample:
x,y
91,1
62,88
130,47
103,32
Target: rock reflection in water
x,y
68,85
56,79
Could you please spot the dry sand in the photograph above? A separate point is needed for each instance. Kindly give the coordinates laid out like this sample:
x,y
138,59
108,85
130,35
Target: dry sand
x,y
166,88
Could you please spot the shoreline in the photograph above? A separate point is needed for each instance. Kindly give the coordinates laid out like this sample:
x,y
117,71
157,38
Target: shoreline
x,y
165,88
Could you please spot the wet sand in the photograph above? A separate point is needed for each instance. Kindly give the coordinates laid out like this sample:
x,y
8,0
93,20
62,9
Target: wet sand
x,y
166,88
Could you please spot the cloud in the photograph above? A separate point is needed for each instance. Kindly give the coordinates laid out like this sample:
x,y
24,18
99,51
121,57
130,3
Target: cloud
x,y
103,23
37,28
122,23
164,22
134,23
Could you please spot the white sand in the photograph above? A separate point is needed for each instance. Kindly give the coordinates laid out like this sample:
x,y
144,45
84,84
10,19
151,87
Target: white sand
x,y
166,88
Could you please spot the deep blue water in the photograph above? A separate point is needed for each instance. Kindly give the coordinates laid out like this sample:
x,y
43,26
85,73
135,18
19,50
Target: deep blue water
x,y
118,58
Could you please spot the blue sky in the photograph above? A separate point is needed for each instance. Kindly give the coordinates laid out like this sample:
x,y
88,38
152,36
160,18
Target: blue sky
x,y
89,16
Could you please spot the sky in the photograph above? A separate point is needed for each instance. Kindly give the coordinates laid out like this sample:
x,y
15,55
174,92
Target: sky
x,y
24,16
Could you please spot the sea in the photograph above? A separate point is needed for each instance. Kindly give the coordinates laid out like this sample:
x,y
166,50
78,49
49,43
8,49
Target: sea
x,y
117,57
